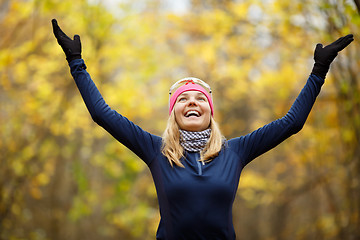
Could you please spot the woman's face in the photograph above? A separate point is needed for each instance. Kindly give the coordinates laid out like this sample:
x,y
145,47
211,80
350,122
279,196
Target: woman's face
x,y
192,111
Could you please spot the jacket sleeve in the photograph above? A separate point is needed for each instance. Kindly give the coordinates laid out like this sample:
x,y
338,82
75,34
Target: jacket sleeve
x,y
267,137
142,143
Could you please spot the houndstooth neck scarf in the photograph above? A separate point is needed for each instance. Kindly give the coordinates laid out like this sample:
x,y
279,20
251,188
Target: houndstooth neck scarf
x,y
194,141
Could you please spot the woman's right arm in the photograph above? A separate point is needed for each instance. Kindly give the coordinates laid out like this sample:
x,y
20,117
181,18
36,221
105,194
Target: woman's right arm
x,y
142,143
132,136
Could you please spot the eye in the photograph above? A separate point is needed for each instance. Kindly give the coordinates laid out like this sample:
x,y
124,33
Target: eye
x,y
181,99
202,99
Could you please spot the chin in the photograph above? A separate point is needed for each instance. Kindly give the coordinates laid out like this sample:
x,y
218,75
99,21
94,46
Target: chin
x,y
194,128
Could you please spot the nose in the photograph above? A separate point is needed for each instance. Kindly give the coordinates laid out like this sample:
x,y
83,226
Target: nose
x,y
192,102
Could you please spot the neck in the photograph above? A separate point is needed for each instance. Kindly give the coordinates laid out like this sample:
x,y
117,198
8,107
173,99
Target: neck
x,y
194,141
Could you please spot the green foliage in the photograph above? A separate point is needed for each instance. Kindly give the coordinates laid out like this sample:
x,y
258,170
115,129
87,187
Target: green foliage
x,y
63,177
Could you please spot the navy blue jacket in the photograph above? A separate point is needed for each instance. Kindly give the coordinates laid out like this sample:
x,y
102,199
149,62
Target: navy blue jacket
x,y
195,201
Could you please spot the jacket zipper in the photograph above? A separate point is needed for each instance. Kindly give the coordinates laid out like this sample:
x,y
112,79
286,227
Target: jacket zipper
x,y
199,165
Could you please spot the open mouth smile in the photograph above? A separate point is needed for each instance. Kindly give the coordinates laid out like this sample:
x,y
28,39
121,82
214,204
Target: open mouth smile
x,y
192,113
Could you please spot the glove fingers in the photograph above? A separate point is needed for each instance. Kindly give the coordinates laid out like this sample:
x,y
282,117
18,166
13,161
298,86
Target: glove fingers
x,y
63,35
318,47
336,42
342,39
345,42
54,23
55,27
77,40
57,31
342,42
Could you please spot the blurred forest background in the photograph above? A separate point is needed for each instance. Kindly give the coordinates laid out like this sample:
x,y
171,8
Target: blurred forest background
x,y
63,177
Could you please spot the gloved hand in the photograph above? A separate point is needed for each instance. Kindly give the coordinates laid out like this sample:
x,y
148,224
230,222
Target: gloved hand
x,y
71,48
323,56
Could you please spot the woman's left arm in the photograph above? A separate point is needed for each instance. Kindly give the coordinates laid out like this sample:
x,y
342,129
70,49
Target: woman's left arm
x,y
270,135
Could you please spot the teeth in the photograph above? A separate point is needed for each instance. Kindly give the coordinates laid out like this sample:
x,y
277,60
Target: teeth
x,y
192,112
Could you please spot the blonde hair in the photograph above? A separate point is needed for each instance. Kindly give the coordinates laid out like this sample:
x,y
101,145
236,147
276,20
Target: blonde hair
x,y
173,151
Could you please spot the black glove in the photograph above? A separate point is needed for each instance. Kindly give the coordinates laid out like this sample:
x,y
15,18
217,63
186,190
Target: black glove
x,y
71,48
324,56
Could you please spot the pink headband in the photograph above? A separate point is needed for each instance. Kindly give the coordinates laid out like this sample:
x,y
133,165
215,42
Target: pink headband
x,y
190,87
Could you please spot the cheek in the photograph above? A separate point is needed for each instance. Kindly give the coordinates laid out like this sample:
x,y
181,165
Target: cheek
x,y
177,111
206,108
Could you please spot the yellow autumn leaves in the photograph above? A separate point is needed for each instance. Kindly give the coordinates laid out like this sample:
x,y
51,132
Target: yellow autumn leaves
x,y
58,168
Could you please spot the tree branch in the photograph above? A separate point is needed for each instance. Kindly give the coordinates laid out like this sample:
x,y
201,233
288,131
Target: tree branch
x,y
357,3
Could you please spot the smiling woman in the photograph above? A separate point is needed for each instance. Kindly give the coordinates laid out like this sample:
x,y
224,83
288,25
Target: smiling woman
x,y
195,170
192,111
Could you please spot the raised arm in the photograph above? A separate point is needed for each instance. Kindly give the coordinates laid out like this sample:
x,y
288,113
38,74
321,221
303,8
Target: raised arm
x,y
270,135
142,143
